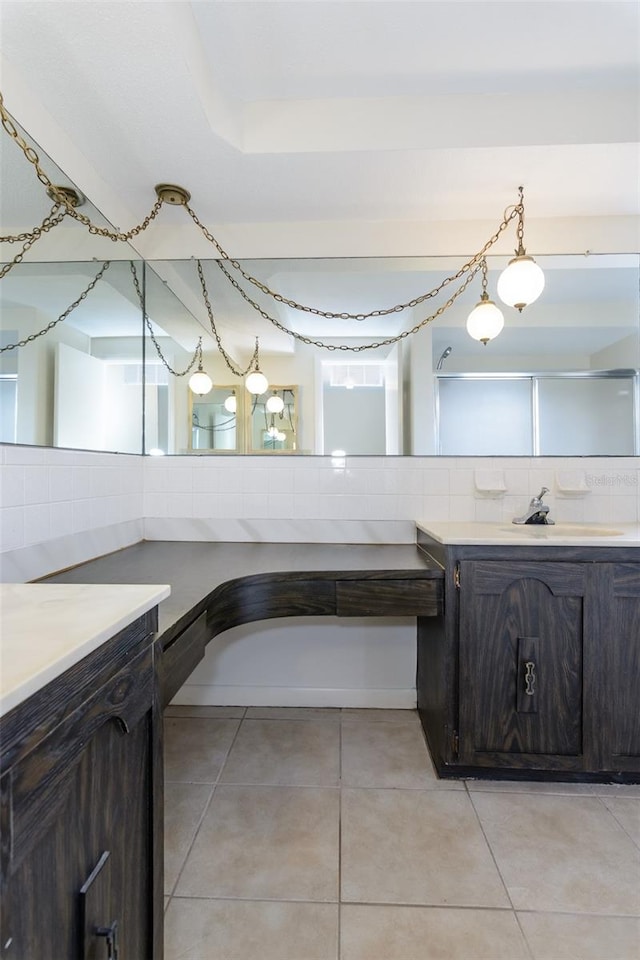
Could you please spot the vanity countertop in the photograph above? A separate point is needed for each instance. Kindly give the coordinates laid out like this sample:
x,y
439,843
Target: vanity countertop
x,y
511,534
47,628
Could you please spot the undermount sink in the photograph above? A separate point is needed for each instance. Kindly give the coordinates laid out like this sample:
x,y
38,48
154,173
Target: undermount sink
x,y
561,530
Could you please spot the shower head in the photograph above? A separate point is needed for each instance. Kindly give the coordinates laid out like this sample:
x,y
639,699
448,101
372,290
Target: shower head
x,y
445,353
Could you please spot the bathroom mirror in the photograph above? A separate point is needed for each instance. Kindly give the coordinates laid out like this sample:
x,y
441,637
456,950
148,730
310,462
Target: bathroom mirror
x,y
126,376
272,425
106,379
216,421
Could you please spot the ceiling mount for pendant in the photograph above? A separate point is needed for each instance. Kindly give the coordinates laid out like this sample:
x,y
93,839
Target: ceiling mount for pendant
x,y
172,193
72,196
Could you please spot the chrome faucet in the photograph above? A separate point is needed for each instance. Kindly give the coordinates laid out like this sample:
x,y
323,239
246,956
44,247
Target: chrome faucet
x,y
537,511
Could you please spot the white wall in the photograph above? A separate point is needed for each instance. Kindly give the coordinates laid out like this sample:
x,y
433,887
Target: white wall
x,y
62,507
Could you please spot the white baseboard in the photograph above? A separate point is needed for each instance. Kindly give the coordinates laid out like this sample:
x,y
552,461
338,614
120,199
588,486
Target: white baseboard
x,y
201,695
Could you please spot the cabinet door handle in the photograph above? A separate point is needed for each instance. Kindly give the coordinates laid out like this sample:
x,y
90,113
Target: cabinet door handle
x,y
110,933
530,678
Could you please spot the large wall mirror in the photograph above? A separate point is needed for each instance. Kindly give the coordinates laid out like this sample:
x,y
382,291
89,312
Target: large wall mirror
x,y
561,378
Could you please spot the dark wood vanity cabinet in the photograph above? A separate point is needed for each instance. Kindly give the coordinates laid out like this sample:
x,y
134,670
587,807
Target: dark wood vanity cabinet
x,y
521,663
536,671
81,807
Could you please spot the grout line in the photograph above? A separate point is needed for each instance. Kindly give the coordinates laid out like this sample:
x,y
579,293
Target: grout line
x,y
621,825
340,776
205,811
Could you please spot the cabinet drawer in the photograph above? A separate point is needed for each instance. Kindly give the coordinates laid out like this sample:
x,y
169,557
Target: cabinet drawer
x,y
181,658
388,598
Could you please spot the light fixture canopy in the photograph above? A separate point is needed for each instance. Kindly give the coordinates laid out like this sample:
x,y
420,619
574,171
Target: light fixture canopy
x,y
200,382
486,320
522,280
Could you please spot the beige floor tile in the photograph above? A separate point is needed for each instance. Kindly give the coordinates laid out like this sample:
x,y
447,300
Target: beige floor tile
x,y
217,713
580,937
261,841
184,804
416,847
293,713
388,755
563,854
250,930
380,716
626,810
429,933
195,749
302,752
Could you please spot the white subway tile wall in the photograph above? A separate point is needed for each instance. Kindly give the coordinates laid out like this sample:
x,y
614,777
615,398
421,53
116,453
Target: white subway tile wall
x,y
50,495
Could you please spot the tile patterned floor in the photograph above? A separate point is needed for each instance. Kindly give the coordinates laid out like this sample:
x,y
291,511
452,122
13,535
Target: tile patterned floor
x,y
309,834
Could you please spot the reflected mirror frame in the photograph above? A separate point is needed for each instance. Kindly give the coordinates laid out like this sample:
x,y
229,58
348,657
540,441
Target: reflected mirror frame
x,y
256,407
219,390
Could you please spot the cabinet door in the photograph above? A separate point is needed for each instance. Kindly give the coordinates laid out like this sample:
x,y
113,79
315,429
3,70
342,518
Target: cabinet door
x,y
615,669
83,791
521,643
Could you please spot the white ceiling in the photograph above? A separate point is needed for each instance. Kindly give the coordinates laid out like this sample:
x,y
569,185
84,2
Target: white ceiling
x,y
328,128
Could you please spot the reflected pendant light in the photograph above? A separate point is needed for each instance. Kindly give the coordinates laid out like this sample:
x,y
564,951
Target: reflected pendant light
x,y
486,319
231,403
256,382
275,404
522,280
200,382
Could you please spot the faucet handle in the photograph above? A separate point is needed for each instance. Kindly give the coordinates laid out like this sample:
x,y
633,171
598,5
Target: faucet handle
x,y
542,493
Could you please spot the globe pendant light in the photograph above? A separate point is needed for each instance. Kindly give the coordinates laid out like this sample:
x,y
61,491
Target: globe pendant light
x,y
256,381
275,404
522,280
231,403
486,319
200,382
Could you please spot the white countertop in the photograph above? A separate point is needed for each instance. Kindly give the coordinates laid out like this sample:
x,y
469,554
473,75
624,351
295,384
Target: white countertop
x,y
45,628
560,534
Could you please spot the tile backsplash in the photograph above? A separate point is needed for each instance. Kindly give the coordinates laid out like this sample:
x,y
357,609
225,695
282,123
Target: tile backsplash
x,y
59,506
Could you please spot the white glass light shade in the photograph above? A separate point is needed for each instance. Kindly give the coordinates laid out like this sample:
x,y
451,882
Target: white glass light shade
x,y
275,404
231,404
485,321
256,383
200,382
521,282
281,436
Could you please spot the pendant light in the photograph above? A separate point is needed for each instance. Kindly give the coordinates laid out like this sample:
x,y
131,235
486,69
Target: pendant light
x,y
256,382
486,319
200,382
231,403
275,404
522,280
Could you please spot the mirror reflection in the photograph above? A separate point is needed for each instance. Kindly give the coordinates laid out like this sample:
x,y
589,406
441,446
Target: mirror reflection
x,y
562,377
97,348
214,421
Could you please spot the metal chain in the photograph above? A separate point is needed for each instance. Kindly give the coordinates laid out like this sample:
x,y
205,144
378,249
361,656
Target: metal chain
x,y
520,228
63,200
197,356
333,346
37,230
227,359
51,220
63,316
470,267
508,216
